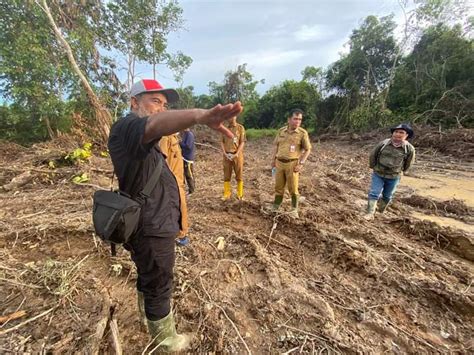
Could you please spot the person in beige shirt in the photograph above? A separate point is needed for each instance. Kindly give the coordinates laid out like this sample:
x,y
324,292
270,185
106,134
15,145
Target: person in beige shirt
x,y
169,146
291,148
233,158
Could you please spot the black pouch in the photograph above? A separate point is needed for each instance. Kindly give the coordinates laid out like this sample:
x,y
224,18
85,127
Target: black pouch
x,y
116,215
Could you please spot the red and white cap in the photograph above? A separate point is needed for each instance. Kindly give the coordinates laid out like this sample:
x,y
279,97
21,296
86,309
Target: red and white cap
x,y
150,85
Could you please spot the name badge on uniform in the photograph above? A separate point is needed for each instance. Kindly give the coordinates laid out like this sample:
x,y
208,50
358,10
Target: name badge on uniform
x,y
292,148
235,140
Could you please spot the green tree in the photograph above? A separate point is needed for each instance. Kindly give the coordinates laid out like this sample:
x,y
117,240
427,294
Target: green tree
x,y
435,83
314,76
274,107
204,101
238,85
139,29
45,46
364,73
32,77
186,98
365,69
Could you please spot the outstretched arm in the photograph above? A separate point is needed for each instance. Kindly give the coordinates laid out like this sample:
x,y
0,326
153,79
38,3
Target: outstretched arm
x,y
169,122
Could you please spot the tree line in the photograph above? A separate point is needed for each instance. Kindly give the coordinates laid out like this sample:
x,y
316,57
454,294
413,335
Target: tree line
x,y
424,73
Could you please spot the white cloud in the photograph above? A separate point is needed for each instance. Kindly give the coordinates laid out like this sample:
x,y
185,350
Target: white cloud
x,y
271,58
309,33
261,60
264,34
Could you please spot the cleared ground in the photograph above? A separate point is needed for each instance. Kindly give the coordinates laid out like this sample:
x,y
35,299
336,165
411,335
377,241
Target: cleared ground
x,y
327,282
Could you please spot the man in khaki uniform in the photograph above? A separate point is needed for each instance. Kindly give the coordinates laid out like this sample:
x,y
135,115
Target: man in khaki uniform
x,y
169,146
232,149
291,149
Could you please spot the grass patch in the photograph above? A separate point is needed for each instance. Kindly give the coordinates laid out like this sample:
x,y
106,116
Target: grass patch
x,y
254,133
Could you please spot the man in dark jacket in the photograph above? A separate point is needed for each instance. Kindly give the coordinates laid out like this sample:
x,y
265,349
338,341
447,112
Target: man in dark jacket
x,y
188,150
135,156
389,159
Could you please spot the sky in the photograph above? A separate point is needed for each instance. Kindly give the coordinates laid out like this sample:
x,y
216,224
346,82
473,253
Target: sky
x,y
277,39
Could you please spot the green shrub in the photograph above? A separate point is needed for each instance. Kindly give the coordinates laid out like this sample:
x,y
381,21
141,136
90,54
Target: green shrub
x,y
254,133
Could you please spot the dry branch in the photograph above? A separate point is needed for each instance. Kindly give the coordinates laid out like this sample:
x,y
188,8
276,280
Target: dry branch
x,y
409,257
102,324
12,316
3,332
19,283
115,336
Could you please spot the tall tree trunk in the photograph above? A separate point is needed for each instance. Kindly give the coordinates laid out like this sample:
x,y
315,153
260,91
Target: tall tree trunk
x,y
103,117
48,127
131,69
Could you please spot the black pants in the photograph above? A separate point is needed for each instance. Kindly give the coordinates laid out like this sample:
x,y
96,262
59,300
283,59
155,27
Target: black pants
x,y
189,175
154,258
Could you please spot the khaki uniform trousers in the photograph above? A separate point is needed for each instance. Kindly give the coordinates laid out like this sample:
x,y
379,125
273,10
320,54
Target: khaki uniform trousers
x,y
286,176
237,165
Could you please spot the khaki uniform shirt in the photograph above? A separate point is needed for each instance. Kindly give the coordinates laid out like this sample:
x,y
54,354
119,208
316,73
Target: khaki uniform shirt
x,y
290,144
169,146
232,144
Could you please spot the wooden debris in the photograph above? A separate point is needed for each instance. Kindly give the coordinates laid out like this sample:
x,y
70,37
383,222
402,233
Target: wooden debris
x,y
18,181
12,316
5,331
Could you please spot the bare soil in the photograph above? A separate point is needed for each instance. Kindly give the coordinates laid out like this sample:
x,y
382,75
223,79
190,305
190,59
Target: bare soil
x,y
326,282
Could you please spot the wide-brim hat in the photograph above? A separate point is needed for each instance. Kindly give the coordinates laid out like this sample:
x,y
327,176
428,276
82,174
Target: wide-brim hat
x,y
150,85
404,126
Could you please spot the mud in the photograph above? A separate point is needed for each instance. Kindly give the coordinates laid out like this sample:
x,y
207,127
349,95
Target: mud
x,y
442,187
445,222
326,282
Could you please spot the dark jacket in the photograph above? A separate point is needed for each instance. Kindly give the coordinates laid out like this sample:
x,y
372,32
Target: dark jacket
x,y
134,163
389,161
187,145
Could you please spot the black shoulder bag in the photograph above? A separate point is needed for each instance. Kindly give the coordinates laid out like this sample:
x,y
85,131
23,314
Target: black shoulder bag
x,y
116,215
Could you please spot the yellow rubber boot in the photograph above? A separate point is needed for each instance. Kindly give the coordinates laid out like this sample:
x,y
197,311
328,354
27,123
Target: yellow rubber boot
x,y
227,191
240,190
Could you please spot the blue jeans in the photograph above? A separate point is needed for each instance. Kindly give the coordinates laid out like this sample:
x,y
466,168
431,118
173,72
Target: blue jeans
x,y
382,186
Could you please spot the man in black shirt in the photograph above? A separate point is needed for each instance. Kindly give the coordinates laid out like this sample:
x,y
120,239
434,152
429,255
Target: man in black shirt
x,y
135,155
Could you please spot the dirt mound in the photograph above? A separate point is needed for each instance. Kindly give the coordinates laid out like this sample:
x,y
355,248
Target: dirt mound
x,y
456,207
10,150
327,282
456,142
